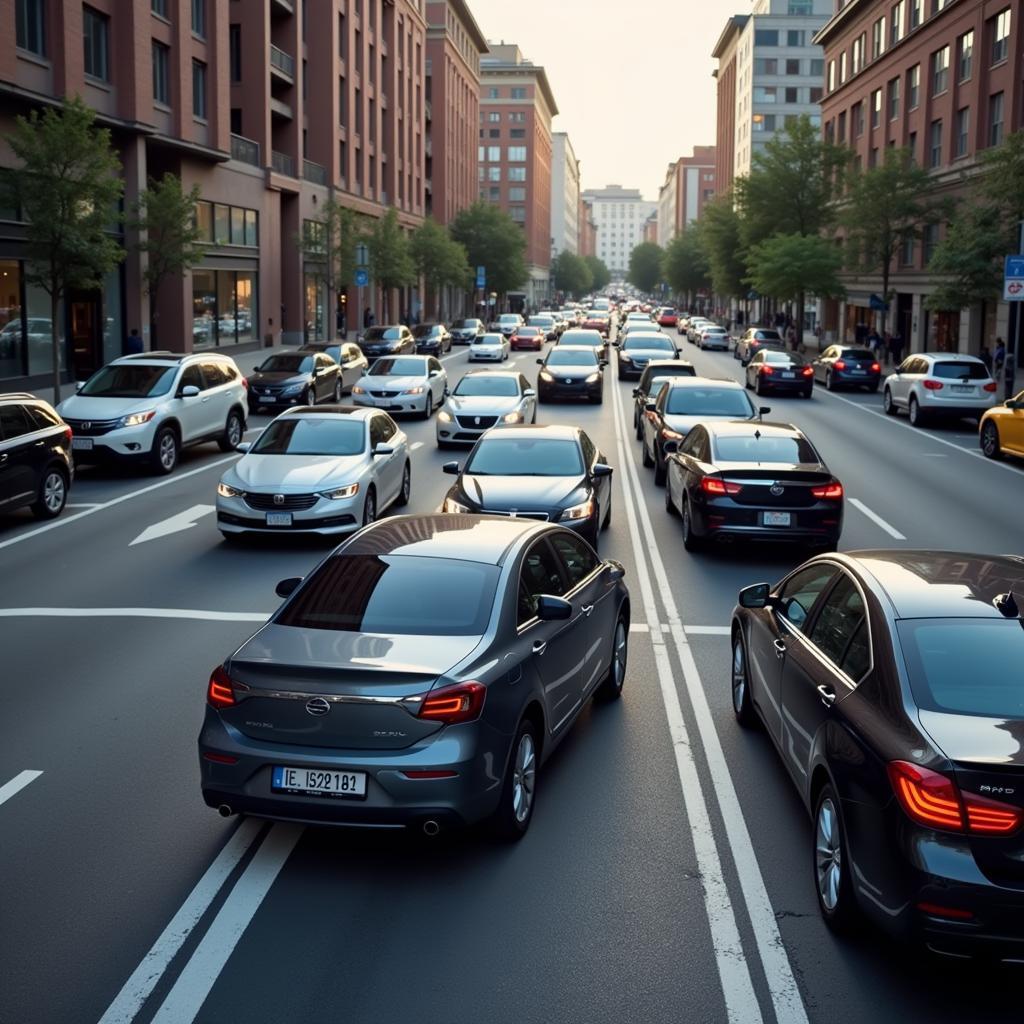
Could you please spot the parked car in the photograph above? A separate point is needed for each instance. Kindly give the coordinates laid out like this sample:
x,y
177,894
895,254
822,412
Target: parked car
x,y
36,467
1001,430
464,331
387,341
571,372
847,366
148,407
347,355
656,368
481,399
402,384
637,349
294,378
754,339
771,370
432,339
889,683
490,347
528,337
422,621
939,385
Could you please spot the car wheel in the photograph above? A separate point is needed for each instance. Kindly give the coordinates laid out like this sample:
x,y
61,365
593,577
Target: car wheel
x,y
53,494
232,436
406,489
670,507
831,862
311,396
610,688
989,440
742,706
514,812
234,539
639,431
830,384
888,405
659,470
428,407
690,540
645,456
338,392
914,413
369,507
165,451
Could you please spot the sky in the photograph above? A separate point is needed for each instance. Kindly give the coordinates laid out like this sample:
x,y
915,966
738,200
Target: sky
x,y
632,79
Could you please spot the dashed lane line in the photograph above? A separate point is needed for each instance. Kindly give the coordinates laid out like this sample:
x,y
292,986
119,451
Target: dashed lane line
x,y
17,784
877,519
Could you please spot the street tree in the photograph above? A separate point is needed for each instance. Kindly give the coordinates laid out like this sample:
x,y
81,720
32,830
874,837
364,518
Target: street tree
x,y
165,218
721,235
883,206
645,266
571,274
67,187
391,261
439,259
494,241
685,263
600,275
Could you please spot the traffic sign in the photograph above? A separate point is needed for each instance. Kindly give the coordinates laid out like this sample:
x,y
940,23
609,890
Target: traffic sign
x,y
481,277
1013,279
362,278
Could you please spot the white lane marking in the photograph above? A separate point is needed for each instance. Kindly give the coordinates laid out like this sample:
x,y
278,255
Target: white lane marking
x,y
199,975
639,627
738,992
132,613
785,994
174,524
82,504
877,519
415,445
64,520
708,630
144,978
17,784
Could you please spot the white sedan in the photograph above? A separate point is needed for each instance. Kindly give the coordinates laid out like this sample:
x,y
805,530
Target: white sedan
x,y
322,471
403,384
491,347
482,399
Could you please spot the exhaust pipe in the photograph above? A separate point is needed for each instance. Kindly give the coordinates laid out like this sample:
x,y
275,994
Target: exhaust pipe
x,y
225,811
431,828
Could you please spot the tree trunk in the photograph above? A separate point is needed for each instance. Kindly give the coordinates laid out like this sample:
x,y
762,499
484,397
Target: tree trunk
x,y
801,301
154,314
54,306
885,294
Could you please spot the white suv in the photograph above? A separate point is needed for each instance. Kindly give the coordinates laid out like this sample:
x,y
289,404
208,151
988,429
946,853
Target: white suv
x,y
939,384
150,406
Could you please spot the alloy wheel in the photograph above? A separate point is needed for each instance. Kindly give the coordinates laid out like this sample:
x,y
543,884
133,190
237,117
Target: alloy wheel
x,y
619,654
990,441
234,431
828,855
338,390
54,492
524,777
403,497
739,676
167,452
369,507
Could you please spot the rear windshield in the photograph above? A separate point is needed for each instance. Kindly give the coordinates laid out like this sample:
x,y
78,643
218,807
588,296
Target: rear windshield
x,y
382,334
399,368
289,363
128,380
857,353
648,341
966,666
525,456
489,339
777,358
542,321
528,332
656,370
424,330
582,338
505,387
403,594
458,325
767,335
508,318
766,448
966,370
312,435
708,402
572,357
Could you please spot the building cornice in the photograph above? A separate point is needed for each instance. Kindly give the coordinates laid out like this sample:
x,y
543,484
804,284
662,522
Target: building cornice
x,y
732,27
533,71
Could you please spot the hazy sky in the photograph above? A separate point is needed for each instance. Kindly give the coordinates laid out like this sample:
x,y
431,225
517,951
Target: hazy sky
x,y
632,80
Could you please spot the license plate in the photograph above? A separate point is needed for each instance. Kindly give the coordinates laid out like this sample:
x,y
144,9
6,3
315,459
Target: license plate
x,y
786,375
776,518
859,372
266,398
279,519
82,444
961,389
318,782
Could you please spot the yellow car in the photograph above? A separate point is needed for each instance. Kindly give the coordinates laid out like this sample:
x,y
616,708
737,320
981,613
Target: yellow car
x,y
1001,430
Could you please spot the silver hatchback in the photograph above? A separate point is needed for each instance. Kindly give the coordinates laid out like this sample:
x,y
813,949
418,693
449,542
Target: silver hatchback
x,y
933,385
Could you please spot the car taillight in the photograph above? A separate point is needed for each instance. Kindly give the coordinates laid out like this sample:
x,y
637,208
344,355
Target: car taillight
x,y
991,386
933,800
933,385
807,371
245,383
713,485
454,704
839,365
220,693
67,432
767,371
876,367
832,491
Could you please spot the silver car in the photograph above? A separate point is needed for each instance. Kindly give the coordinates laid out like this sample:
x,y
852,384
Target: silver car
x,y
482,399
322,470
403,384
934,385
491,347
419,677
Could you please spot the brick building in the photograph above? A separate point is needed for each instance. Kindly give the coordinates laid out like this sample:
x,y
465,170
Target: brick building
x,y
689,184
725,52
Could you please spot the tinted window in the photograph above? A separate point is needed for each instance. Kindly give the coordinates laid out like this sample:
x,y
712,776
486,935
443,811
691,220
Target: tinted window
x,y
292,362
781,358
708,402
470,325
471,386
582,338
767,335
423,330
968,666
14,422
855,353
540,574
589,449
966,370
373,334
130,380
398,368
215,375
766,448
389,594
577,556
572,357
839,619
43,416
648,341
801,590
311,435
192,377
524,456
488,339
386,427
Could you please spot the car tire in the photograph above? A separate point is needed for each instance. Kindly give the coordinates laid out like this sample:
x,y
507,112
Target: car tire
x,y
428,407
831,864
888,405
742,705
917,417
597,399
830,384
639,431
660,469
339,391
988,439
670,507
691,541
534,419
405,491
233,539
310,395
233,432
52,495
370,506
511,818
165,451
645,456
610,688
606,522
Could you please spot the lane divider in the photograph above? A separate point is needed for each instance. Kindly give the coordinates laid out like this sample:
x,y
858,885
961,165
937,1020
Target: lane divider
x,y
876,519
17,784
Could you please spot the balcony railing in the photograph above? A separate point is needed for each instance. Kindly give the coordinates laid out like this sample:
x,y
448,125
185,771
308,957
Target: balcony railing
x,y
282,163
284,62
245,150
314,172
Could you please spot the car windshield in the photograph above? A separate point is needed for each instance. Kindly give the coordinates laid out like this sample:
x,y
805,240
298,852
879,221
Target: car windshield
x,y
508,318
658,342
287,362
708,402
489,339
406,367
763,448
528,332
525,456
966,666
129,380
590,338
382,334
474,387
424,330
395,594
541,321
965,370
469,325
572,357
312,435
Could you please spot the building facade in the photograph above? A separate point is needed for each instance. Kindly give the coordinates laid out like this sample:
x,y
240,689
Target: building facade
x,y
689,184
565,196
945,84
620,217
668,198
726,52
515,156
588,229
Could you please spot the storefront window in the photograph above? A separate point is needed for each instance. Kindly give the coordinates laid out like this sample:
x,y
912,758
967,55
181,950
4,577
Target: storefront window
x,y
204,309
113,326
237,225
226,327
251,231
247,315
11,346
40,351
314,319
222,223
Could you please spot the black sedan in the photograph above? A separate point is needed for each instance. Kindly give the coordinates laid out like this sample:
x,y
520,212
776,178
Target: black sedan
x,y
638,348
464,331
387,341
774,372
642,392
432,339
550,473
843,366
890,684
294,378
418,677
570,373
754,339
743,480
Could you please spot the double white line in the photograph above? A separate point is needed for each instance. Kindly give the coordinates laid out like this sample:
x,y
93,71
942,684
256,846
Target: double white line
x,y
741,1001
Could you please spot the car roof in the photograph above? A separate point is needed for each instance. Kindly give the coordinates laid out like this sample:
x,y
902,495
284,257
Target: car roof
x,y
737,428
950,357
159,358
359,412
514,374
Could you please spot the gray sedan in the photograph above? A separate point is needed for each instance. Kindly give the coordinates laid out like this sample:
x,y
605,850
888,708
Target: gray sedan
x,y
482,399
418,677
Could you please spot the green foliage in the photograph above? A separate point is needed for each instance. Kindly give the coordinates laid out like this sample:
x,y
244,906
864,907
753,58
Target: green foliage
x,y
1002,186
645,266
67,186
391,261
685,263
492,240
571,274
789,266
721,236
439,258
600,275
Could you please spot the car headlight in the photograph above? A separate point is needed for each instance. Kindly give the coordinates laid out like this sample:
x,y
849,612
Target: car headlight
x,y
544,375
136,419
593,378
227,491
292,389
444,417
414,391
350,491
357,390
451,505
512,417
582,511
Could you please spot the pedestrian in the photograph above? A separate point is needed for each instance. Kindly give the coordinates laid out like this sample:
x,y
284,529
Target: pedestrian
x,y
999,357
791,337
986,357
133,344
874,341
367,318
896,348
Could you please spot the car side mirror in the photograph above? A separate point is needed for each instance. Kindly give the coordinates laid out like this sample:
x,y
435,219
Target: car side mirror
x,y
636,392
615,344
650,406
670,447
383,449
600,469
288,587
678,351
755,596
540,362
1012,403
616,570
451,468
189,391
763,410
243,446
529,393
604,363
551,608
447,391
79,384
434,373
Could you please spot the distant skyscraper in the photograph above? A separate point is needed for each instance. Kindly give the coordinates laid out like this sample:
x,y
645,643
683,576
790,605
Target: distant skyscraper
x,y
620,215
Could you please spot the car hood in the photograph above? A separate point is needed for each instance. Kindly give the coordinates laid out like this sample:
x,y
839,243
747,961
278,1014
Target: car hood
x,y
573,370
648,353
278,377
478,405
82,407
523,492
294,473
392,383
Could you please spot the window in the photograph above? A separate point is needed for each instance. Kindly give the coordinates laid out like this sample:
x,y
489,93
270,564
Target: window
x,y
494,133
493,94
766,66
96,36
877,38
963,129
842,126
161,73
493,154
935,144
803,7
913,86
159,7
30,26
494,117
894,99
912,147
765,94
995,119
915,13
857,120
842,67
831,75
517,194
1001,36
796,37
940,71
517,133
873,157
857,56
517,154
494,193
792,67
494,174
518,93
480,172
931,240
235,52
839,631
817,68
815,94
539,575
766,37
907,251
578,559
481,153
896,23
802,589
791,95
198,89
517,117
764,122
876,108
199,17
517,174
965,49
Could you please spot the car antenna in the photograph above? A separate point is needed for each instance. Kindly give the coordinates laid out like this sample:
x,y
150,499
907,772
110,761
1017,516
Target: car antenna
x,y
1006,604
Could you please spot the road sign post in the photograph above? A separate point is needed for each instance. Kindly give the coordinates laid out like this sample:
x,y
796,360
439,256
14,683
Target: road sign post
x,y
1013,292
362,280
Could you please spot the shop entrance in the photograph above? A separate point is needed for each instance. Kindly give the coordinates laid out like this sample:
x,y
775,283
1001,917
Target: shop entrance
x,y
86,333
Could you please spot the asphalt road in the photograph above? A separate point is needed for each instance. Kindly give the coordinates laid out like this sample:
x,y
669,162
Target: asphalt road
x,y
666,875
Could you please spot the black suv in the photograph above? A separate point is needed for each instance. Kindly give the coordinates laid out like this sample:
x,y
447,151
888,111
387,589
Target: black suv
x,y
36,468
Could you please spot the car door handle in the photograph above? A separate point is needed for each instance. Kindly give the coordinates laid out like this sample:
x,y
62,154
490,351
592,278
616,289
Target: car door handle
x,y
539,647
828,697
203,401
587,609
780,648
3,458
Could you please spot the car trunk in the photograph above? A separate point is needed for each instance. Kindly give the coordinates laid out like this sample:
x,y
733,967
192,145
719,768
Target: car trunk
x,y
760,482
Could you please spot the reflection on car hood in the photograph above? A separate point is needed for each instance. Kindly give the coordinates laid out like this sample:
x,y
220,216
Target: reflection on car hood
x,y
294,473
648,353
392,383
523,492
278,377
82,407
685,423
481,405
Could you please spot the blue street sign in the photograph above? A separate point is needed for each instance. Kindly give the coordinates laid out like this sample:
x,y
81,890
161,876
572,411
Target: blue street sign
x,y
481,277
1013,279
362,278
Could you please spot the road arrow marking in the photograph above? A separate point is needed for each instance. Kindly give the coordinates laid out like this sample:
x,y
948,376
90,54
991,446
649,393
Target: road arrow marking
x,y
174,524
